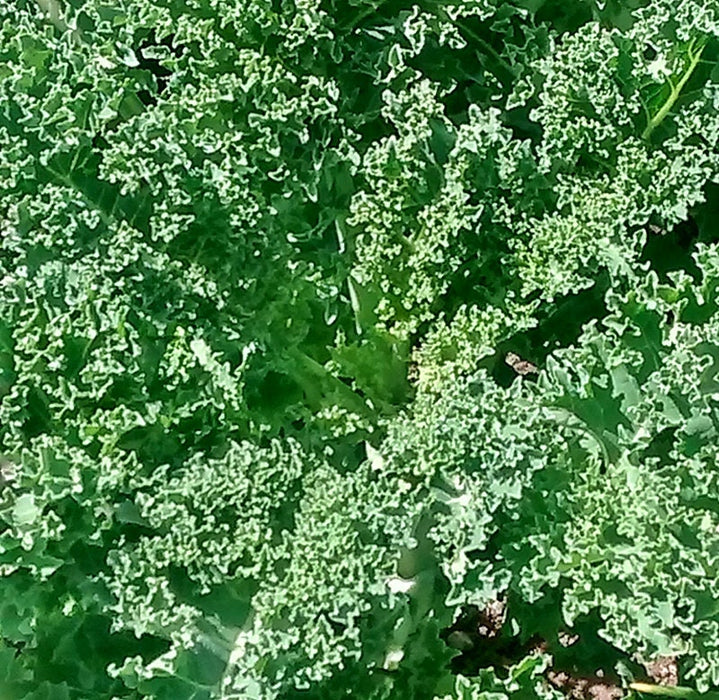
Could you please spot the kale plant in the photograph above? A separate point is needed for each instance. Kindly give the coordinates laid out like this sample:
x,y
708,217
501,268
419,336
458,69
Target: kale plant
x,y
328,327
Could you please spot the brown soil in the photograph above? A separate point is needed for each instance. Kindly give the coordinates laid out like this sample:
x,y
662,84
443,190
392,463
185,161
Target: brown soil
x,y
491,619
664,670
478,633
584,688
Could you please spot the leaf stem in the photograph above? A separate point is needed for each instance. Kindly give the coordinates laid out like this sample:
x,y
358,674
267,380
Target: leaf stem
x,y
664,110
352,24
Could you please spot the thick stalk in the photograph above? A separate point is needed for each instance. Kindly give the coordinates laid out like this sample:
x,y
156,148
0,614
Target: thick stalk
x,y
664,691
310,374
